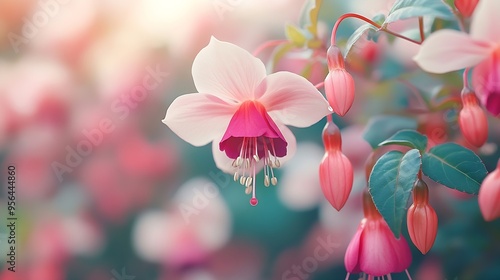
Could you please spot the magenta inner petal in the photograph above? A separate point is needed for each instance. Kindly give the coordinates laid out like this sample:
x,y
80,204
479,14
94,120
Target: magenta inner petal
x,y
251,122
493,103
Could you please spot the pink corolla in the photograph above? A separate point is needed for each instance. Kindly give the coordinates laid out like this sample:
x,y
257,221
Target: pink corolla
x,y
450,50
244,112
374,249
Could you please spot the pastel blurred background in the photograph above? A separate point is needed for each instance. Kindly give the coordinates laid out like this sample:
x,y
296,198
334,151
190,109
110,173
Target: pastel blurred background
x,y
104,190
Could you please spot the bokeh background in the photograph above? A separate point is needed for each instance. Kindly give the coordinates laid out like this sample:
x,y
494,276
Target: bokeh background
x,y
104,190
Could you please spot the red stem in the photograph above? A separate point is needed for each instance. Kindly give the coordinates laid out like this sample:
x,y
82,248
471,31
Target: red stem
x,y
367,20
466,78
421,28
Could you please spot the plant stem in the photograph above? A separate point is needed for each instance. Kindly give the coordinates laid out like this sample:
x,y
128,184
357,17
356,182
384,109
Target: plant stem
x,y
421,28
369,21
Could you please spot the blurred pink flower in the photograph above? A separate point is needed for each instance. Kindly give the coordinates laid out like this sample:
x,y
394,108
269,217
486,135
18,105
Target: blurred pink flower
x,y
450,50
466,7
196,223
374,250
244,112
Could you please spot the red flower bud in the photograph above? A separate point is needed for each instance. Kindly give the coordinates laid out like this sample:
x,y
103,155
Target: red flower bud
x,y
489,195
422,220
466,7
472,120
339,84
335,171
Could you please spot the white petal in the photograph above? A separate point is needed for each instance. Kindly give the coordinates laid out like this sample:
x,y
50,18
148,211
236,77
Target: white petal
x,y
228,71
485,21
292,99
199,118
450,50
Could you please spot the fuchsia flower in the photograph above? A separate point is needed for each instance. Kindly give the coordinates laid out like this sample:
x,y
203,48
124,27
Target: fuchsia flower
x,y
466,7
472,120
450,50
422,220
244,112
339,84
489,195
335,171
374,250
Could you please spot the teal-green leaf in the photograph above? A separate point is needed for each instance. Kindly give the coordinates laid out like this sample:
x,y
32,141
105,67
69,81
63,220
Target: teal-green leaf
x,y
455,167
407,137
380,128
390,185
356,35
405,9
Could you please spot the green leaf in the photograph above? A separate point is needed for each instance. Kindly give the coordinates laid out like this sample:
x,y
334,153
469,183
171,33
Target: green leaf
x,y
405,9
390,185
380,128
309,16
455,167
407,137
356,35
295,35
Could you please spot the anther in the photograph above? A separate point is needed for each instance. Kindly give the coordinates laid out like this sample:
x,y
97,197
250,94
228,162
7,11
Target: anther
x,y
277,163
236,176
266,181
242,180
256,158
274,181
248,190
248,181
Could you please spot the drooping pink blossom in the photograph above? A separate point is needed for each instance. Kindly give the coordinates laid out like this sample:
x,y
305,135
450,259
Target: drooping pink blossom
x,y
244,112
374,249
449,50
489,195
335,171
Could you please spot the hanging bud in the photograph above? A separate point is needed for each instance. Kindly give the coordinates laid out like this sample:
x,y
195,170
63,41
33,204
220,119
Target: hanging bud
x,y
422,220
472,120
339,84
335,171
466,7
489,195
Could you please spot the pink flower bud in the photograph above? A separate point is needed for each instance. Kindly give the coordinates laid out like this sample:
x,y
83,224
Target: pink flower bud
x,y
466,7
422,220
335,171
472,120
339,84
489,195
